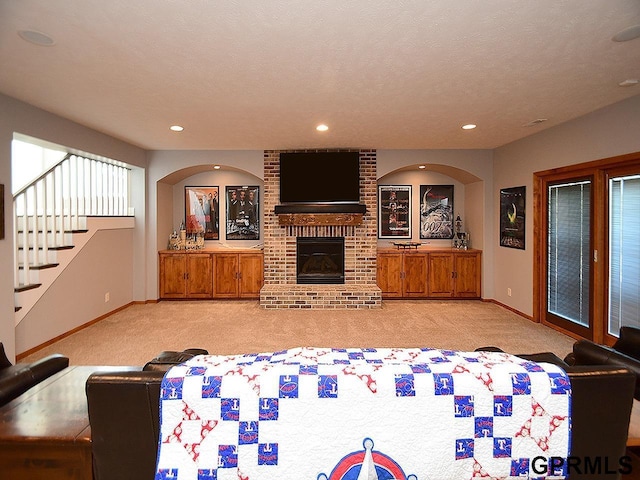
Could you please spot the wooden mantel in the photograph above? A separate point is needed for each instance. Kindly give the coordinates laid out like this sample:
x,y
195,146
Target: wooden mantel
x,y
312,219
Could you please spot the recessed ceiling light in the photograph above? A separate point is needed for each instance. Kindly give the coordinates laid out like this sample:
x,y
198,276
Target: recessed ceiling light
x,y
469,126
37,38
627,34
216,167
322,128
422,167
176,128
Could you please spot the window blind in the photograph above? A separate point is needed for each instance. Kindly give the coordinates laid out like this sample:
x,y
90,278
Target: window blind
x,y
624,253
569,257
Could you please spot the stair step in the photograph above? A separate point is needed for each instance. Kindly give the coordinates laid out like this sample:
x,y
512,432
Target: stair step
x,y
40,266
51,232
24,287
62,247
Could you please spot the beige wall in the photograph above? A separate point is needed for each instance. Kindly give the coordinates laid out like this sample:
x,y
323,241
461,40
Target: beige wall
x,y
611,131
77,296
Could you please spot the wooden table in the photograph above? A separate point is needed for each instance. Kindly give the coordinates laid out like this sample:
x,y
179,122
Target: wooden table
x,y
634,426
45,433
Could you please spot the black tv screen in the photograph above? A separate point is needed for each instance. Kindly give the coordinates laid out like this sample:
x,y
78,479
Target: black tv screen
x,y
320,177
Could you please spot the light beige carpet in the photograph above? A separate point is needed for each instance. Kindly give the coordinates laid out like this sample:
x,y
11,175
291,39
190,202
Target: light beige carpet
x,y
139,332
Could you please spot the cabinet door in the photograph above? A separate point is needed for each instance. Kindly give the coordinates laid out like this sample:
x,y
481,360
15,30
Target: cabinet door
x,y
225,278
173,273
415,275
388,276
467,275
199,275
441,281
251,274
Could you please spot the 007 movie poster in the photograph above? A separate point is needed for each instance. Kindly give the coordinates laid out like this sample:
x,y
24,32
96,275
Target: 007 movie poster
x,y
394,211
436,211
243,219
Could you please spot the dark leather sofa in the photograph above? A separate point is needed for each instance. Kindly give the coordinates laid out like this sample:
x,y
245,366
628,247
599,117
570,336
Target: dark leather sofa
x,y
624,353
17,379
124,416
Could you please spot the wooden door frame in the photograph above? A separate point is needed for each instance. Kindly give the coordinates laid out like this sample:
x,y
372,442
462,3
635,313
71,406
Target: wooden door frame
x,y
598,171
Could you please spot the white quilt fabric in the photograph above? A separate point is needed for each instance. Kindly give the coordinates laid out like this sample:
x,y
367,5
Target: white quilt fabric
x,y
355,414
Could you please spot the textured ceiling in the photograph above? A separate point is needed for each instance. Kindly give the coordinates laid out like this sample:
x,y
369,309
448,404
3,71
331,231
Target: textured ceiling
x,y
256,74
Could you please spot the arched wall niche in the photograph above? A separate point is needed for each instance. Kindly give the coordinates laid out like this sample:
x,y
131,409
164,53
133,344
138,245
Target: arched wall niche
x,y
171,198
468,198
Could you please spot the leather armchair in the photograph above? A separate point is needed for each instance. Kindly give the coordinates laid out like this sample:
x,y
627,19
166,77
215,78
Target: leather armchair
x,y
17,379
124,416
625,353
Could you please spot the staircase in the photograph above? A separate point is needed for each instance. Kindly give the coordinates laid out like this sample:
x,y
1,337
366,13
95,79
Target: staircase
x,y
53,217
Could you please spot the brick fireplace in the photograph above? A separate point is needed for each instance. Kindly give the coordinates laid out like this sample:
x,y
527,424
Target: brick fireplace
x,y
281,289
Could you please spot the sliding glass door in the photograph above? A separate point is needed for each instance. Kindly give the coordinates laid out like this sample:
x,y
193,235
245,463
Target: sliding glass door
x,y
624,252
568,262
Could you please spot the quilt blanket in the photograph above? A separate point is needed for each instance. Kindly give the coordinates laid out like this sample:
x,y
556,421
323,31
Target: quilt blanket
x,y
355,414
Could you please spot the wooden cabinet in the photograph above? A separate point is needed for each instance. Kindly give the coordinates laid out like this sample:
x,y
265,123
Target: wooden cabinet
x,y
203,274
454,274
238,275
402,274
435,273
186,275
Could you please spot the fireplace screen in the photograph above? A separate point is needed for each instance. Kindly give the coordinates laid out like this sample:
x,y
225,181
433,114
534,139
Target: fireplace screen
x,y
320,260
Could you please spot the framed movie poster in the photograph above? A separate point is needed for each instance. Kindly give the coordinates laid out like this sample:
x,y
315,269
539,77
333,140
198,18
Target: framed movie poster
x,y
202,211
243,218
436,211
394,211
512,217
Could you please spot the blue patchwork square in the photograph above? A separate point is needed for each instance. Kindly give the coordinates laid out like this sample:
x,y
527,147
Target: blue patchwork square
x,y
227,456
374,360
171,389
560,384
166,473
308,369
207,474
420,368
268,409
267,454
405,386
521,383
532,367
443,383
483,427
247,433
263,358
463,406
328,386
355,356
501,447
341,361
520,468
502,405
211,387
464,448
230,409
288,386
196,371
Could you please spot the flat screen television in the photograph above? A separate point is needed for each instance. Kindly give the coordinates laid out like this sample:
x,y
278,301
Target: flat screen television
x,y
319,177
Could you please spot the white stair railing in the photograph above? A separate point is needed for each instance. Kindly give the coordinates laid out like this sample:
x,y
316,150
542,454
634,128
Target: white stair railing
x,y
58,201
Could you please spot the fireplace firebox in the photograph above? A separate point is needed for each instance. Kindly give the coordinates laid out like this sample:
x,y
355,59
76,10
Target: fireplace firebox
x,y
320,260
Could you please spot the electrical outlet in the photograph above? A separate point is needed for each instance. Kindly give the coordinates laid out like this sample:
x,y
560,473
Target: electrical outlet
x,y
509,291
107,297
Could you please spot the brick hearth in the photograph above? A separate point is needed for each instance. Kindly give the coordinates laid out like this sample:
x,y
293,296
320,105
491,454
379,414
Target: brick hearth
x,y
280,288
